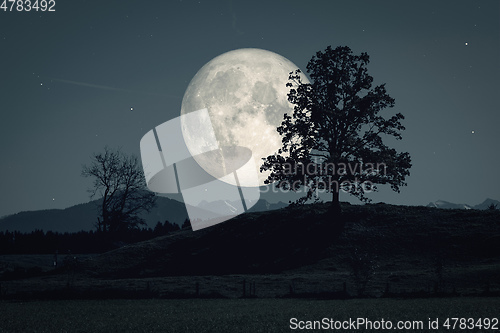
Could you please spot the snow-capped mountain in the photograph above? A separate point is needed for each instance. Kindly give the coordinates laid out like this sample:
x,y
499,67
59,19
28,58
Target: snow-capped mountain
x,y
487,203
449,205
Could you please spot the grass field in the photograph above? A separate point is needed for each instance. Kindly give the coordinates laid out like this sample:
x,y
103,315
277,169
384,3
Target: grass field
x,y
235,315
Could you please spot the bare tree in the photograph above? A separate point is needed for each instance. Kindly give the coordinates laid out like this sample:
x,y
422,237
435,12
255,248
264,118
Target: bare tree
x,y
119,181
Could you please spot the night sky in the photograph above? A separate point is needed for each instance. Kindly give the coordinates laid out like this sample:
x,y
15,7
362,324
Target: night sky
x,y
97,73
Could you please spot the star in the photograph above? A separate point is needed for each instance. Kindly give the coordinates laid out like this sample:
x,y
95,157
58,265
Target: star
x,y
131,109
466,43
473,132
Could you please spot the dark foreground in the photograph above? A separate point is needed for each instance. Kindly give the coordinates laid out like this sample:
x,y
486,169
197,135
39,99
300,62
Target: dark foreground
x,y
385,251
238,315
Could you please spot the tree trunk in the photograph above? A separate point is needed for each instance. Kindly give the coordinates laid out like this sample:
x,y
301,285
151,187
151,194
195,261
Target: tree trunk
x,y
334,214
335,209
99,224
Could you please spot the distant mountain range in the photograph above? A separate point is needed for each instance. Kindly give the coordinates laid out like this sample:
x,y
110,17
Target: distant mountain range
x,y
84,216
449,205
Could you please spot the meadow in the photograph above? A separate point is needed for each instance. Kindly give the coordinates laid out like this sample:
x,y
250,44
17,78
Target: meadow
x,y
229,315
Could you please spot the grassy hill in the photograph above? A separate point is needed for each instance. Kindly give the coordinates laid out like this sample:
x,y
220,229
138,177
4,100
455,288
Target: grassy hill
x,y
383,250
271,242
383,246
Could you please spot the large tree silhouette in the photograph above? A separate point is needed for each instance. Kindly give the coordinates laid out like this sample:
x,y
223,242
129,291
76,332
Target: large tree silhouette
x,y
334,138
119,182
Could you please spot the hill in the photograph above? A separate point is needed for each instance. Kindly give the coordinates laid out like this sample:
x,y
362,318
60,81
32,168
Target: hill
x,y
291,237
83,216
384,250
407,246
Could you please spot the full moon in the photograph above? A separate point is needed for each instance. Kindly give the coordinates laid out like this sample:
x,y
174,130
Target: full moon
x,y
245,94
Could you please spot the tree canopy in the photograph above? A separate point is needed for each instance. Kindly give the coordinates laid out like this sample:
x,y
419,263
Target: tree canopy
x,y
334,138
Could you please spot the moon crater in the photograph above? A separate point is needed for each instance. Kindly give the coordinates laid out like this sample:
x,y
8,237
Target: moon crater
x,y
245,94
